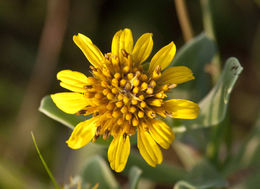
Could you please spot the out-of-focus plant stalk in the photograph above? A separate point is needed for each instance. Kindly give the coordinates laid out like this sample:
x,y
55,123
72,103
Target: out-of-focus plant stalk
x,y
42,73
215,67
184,19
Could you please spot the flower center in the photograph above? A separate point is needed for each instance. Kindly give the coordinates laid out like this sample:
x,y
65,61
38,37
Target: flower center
x,y
124,95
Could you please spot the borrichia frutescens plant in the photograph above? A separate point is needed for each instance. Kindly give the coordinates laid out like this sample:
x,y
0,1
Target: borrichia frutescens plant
x,y
124,98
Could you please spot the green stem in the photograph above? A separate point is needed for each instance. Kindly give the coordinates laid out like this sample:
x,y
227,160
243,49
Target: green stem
x,y
219,134
44,164
212,151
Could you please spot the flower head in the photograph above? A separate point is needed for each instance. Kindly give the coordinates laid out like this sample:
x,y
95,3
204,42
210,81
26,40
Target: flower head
x,y
124,98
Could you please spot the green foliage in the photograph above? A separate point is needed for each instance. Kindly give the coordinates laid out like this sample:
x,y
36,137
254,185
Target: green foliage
x,y
195,54
202,176
214,105
248,154
167,173
134,177
246,161
96,171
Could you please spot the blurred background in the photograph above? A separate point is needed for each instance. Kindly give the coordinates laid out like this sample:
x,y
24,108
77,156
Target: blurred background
x,y
36,42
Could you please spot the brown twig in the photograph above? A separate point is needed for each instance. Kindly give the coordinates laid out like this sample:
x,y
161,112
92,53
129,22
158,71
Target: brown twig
x,y
184,19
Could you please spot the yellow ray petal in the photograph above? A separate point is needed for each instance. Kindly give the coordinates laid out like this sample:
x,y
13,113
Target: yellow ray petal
x,y
116,43
143,151
148,148
111,152
122,40
182,109
176,75
163,57
83,133
143,48
161,133
70,102
93,54
118,152
72,80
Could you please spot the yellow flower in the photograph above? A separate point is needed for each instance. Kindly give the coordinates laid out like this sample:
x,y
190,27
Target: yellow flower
x,y
123,98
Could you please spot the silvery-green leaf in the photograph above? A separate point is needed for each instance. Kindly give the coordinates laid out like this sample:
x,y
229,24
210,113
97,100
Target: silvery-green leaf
x,y
213,107
195,54
134,177
96,171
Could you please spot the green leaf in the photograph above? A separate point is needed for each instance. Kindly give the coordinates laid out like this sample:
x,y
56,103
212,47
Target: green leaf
x,y
134,177
168,173
202,176
97,171
214,105
187,154
195,55
249,153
